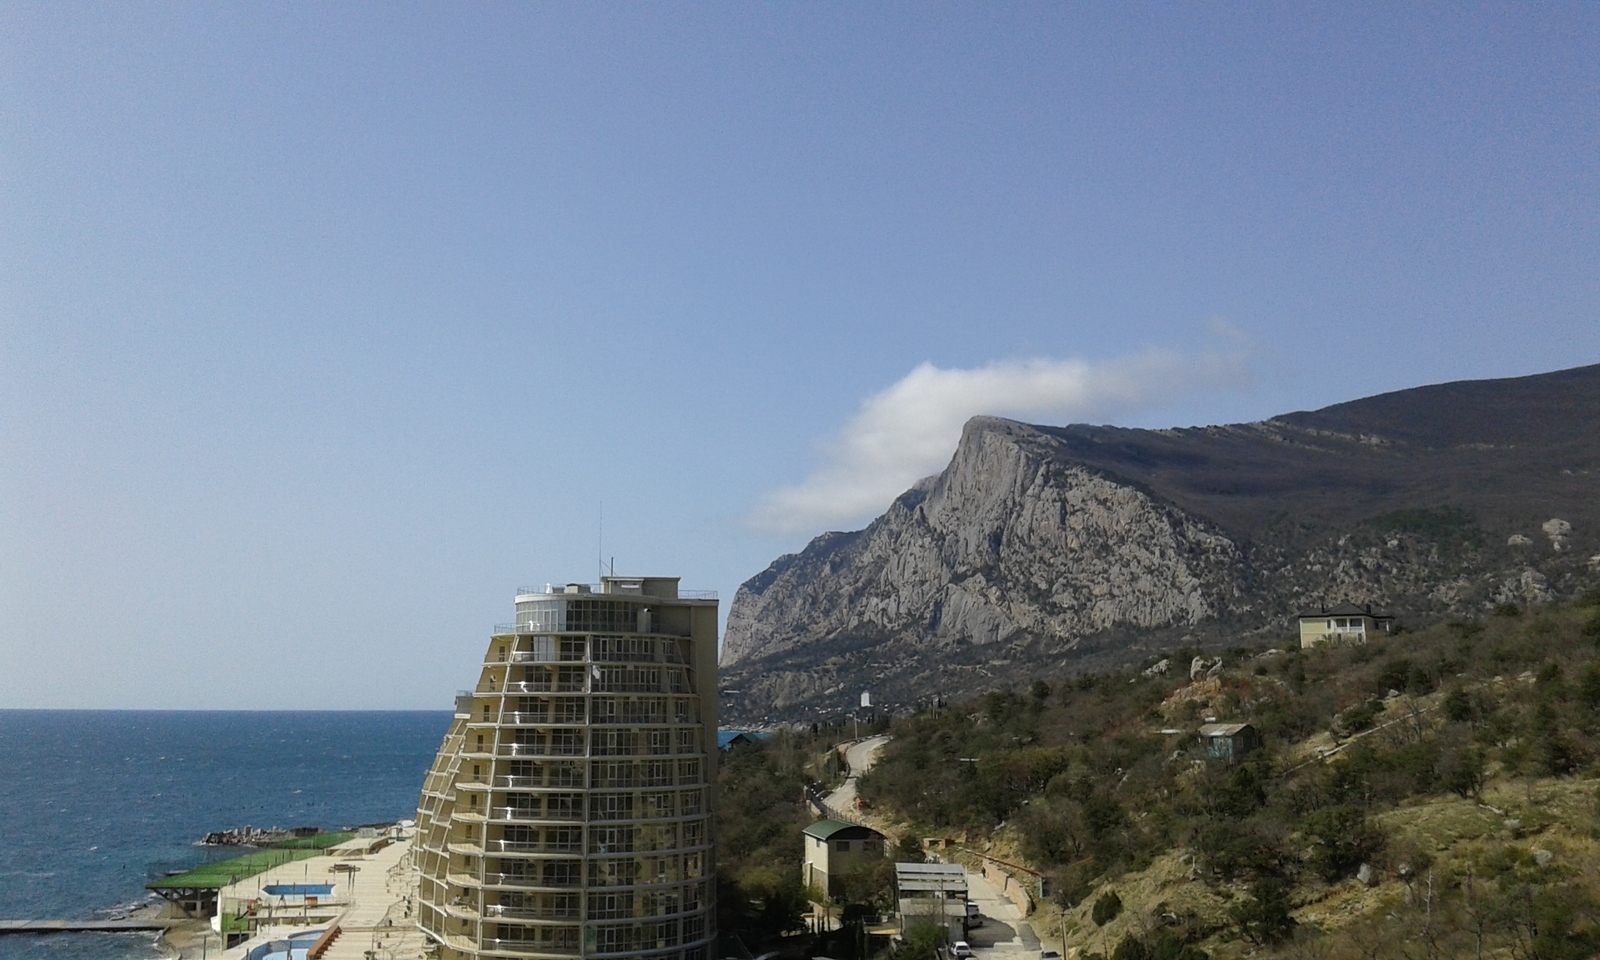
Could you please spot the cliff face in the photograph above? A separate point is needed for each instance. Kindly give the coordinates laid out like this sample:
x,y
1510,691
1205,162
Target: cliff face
x,y
1047,549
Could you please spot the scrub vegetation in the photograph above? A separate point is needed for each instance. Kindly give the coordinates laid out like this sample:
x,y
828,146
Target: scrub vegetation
x,y
760,817
760,814
1431,794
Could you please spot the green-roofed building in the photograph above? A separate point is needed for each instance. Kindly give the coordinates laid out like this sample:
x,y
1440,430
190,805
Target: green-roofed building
x,y
832,846
196,890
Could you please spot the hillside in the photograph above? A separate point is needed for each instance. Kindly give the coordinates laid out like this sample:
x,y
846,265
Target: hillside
x,y
1081,546
1432,795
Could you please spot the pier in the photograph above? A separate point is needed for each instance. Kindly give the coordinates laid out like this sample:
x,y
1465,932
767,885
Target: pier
x,y
152,925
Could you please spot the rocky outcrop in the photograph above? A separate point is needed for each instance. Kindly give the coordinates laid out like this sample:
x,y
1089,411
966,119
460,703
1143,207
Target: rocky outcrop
x,y
1004,542
1042,549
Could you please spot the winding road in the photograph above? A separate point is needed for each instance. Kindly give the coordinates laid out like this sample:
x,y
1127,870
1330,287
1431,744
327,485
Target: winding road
x,y
858,758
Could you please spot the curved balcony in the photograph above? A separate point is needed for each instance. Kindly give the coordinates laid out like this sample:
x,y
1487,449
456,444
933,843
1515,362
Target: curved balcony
x,y
461,909
528,882
500,910
527,815
518,848
541,750
527,948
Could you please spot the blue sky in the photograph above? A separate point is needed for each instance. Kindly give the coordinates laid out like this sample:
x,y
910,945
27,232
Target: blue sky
x,y
324,327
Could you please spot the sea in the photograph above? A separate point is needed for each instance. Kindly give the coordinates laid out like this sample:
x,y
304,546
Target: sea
x,y
95,804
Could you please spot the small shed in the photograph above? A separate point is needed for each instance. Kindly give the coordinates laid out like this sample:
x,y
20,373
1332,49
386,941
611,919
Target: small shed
x,y
1229,741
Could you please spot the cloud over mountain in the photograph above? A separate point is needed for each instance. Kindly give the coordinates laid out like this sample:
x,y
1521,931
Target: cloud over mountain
x,y
909,431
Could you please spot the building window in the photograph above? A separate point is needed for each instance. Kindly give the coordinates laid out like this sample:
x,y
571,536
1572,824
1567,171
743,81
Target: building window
x,y
656,803
611,839
694,927
563,806
843,846
657,773
614,742
611,806
561,873
613,773
613,873
610,906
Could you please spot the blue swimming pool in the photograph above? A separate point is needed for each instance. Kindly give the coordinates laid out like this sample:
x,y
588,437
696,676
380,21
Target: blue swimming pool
x,y
294,948
299,889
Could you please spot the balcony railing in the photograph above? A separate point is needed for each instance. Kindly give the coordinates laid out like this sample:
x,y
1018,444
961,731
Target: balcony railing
x,y
530,686
530,947
541,719
532,880
541,750
525,813
532,913
517,846
597,592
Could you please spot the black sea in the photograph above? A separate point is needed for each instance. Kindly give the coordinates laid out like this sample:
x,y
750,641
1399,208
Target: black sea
x,y
94,804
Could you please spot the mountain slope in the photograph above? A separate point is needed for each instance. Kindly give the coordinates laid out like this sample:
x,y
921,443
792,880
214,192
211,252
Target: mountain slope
x,y
1080,546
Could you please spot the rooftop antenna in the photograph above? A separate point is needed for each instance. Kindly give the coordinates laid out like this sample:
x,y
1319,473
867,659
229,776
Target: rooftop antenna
x,y
600,543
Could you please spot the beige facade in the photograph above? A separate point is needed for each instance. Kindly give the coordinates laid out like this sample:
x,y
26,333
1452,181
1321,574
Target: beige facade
x,y
568,812
832,846
1343,624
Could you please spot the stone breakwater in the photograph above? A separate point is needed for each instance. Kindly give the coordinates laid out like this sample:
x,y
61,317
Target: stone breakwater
x,y
248,836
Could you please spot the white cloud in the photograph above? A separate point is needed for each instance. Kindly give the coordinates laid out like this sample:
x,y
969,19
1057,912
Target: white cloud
x,y
910,430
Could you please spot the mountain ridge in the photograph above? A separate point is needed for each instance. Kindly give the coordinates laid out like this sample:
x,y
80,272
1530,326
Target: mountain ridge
x,y
1052,548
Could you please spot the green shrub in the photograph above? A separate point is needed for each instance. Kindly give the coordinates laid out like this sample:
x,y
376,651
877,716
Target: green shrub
x,y
1359,718
1232,850
1461,771
1107,907
1342,839
1458,706
1264,918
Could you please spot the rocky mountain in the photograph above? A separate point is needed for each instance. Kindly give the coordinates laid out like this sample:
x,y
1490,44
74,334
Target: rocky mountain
x,y
1044,550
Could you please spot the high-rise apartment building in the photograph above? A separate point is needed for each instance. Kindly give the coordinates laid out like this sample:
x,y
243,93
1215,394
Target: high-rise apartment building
x,y
568,813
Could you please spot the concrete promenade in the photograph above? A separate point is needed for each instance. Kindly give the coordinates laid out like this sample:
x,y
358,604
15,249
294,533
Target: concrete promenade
x,y
377,911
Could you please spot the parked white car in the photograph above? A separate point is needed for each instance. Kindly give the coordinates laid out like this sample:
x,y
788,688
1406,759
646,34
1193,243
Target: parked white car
x,y
960,949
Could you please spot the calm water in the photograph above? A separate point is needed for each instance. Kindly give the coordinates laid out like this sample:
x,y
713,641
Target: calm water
x,y
91,802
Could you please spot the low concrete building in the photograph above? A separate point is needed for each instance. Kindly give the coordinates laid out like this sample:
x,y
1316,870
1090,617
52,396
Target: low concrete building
x,y
833,846
932,893
1229,741
1346,623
